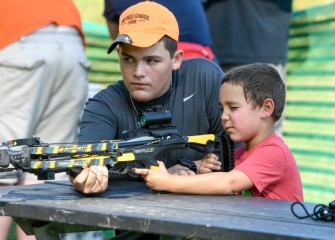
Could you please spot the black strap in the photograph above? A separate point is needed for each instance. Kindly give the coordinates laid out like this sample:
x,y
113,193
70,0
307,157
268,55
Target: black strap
x,y
33,141
189,164
320,212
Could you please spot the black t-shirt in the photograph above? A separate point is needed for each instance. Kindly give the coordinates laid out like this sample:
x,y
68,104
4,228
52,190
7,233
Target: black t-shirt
x,y
193,103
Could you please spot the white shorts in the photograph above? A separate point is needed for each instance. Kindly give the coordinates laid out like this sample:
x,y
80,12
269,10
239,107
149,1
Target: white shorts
x,y
43,85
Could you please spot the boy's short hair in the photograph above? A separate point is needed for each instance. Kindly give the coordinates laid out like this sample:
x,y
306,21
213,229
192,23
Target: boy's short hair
x,y
259,82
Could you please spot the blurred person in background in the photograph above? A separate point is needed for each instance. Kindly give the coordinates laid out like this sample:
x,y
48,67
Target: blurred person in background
x,y
195,39
43,71
250,31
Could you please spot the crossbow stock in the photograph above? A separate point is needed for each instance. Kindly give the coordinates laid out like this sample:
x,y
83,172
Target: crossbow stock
x,y
138,148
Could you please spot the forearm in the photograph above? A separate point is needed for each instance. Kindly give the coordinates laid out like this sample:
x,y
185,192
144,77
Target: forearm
x,y
215,183
208,184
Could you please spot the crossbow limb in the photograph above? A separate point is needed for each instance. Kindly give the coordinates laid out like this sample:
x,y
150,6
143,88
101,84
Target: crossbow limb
x,y
140,148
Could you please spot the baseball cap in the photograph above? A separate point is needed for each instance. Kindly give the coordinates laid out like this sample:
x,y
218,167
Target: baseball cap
x,y
144,24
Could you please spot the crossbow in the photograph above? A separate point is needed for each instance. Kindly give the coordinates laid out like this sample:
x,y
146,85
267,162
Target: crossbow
x,y
140,147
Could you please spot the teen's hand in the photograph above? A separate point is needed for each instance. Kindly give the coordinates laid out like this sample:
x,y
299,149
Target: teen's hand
x,y
180,170
209,164
93,179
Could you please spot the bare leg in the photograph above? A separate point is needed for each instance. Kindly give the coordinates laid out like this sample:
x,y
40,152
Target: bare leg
x,y
5,223
22,236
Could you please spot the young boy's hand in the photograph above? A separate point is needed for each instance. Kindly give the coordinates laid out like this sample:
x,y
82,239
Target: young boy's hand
x,y
209,164
156,179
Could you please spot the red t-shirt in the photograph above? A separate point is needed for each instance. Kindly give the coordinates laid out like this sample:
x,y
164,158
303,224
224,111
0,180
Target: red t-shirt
x,y
19,18
272,168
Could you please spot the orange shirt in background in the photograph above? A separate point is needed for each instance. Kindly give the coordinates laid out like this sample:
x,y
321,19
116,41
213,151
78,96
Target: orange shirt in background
x,y
22,17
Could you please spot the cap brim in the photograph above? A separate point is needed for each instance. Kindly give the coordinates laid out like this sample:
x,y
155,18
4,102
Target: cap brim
x,y
137,39
119,39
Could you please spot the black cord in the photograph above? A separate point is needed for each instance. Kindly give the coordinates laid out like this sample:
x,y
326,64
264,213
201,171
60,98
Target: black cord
x,y
320,212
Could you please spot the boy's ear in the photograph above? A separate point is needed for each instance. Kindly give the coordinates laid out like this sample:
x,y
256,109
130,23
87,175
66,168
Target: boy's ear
x,y
177,59
268,107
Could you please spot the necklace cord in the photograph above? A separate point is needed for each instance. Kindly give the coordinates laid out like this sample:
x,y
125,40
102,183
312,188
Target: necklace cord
x,y
165,107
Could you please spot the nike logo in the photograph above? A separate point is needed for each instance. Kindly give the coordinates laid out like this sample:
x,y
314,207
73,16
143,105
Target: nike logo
x,y
188,98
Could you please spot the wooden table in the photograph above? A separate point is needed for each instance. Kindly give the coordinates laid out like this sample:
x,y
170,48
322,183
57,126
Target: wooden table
x,y
53,207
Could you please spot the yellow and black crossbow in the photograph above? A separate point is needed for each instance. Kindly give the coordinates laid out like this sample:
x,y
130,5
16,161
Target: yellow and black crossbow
x,y
138,148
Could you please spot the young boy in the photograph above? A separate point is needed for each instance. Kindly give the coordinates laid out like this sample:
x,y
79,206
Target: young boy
x,y
252,98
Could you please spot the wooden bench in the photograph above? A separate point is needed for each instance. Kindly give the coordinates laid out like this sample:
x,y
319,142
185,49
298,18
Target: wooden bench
x,y
55,207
